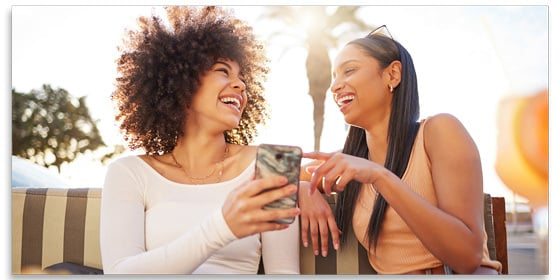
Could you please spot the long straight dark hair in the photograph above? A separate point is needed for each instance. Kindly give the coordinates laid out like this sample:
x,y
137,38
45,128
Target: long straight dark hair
x,y
402,131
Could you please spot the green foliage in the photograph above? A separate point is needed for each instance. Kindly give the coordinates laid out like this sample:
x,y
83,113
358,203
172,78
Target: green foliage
x,y
115,151
51,127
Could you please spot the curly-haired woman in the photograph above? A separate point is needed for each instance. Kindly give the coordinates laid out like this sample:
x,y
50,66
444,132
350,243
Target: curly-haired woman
x,y
190,95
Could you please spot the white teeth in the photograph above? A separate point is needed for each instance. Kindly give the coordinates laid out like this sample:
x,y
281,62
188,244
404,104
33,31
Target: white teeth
x,y
232,101
341,101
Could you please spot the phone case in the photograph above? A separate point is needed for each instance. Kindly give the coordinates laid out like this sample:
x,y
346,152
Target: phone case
x,y
280,160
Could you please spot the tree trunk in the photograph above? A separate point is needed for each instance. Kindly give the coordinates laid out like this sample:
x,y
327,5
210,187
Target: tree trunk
x,y
318,67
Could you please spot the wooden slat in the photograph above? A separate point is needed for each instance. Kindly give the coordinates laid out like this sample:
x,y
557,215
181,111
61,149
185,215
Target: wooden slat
x,y
499,213
306,259
327,265
347,257
489,226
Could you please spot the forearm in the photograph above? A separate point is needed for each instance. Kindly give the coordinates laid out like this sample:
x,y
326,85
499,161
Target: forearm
x,y
181,256
445,236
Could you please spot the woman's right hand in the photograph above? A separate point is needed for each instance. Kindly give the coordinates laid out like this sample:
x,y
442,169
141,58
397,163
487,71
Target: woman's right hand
x,y
317,219
243,209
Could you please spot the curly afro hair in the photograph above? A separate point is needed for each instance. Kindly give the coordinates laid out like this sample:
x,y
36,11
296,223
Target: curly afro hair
x,y
160,69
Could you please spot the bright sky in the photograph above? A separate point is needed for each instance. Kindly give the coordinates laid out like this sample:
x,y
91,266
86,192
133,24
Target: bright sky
x,y
466,59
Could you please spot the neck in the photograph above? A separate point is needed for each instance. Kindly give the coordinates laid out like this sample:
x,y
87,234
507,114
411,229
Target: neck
x,y
202,145
198,151
377,139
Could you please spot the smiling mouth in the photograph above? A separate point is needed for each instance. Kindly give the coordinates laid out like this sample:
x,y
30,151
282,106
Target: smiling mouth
x,y
344,100
231,102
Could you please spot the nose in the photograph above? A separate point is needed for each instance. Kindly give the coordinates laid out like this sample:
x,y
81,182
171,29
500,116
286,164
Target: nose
x,y
239,84
336,85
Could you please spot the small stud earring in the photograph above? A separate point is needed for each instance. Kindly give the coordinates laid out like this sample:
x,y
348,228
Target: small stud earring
x,y
390,88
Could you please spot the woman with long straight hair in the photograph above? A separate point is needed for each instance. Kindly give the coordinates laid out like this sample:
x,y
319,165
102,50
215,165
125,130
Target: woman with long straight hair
x,y
410,190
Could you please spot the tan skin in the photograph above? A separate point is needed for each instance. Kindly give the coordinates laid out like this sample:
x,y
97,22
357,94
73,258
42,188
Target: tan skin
x,y
452,231
206,121
317,219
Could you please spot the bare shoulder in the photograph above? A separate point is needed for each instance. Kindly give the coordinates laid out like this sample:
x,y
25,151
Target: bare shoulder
x,y
442,121
443,125
446,132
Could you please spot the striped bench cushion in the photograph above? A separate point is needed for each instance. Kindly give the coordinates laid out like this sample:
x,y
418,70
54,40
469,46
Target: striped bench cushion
x,y
51,226
54,225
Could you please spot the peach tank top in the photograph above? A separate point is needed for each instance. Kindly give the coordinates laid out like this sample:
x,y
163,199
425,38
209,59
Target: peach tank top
x,y
398,249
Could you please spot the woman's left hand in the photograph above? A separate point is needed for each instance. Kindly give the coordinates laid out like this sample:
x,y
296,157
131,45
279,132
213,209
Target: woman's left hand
x,y
339,169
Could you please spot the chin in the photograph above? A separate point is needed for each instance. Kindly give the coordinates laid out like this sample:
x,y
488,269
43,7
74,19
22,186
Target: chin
x,y
350,119
231,124
353,121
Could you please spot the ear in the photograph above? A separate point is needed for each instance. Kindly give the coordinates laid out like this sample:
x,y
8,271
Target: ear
x,y
394,70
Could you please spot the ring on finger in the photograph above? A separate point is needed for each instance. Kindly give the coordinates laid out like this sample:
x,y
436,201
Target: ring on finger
x,y
335,186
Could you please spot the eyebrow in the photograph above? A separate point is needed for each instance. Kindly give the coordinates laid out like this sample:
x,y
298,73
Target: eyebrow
x,y
224,63
344,63
240,75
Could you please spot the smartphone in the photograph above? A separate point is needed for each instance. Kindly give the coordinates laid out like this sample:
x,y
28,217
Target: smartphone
x,y
280,160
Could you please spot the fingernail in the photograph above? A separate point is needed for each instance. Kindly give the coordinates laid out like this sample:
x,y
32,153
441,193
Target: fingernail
x,y
336,246
305,244
324,253
316,252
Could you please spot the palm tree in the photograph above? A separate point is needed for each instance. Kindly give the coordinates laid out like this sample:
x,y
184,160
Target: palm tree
x,y
323,31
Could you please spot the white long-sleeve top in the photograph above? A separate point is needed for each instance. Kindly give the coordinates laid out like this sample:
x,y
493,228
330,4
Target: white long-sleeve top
x,y
150,224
